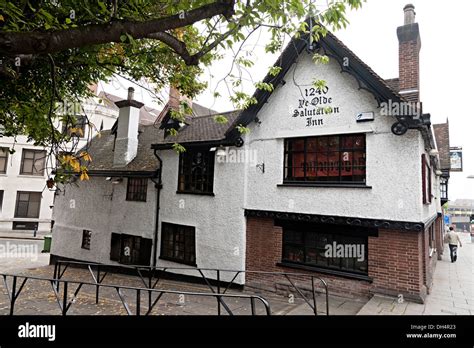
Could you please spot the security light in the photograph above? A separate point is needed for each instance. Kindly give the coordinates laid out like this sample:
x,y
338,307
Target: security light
x,y
117,181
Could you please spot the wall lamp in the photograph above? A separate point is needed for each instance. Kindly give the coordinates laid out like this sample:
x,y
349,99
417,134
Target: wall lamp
x,y
261,166
114,181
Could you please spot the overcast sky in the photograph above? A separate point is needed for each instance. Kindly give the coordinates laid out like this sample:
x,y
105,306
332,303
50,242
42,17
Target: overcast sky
x,y
446,66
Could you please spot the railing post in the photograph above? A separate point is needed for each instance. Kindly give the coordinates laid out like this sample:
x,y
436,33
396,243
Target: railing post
x,y
58,276
150,281
314,296
65,298
218,291
55,270
252,304
97,287
138,302
13,297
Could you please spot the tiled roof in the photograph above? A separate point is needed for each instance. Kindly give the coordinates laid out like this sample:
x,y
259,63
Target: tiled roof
x,y
393,84
101,150
198,129
442,142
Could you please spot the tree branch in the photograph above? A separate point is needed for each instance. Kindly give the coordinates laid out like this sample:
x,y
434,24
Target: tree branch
x,y
13,43
177,45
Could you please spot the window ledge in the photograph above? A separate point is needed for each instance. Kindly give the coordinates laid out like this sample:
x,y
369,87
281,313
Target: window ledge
x,y
177,261
326,271
195,193
31,176
311,184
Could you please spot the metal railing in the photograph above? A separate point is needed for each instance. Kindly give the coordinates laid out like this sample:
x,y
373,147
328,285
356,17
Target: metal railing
x,y
153,277
65,302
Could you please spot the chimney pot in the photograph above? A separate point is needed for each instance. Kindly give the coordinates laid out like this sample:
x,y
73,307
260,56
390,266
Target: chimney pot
x,y
131,91
409,11
409,55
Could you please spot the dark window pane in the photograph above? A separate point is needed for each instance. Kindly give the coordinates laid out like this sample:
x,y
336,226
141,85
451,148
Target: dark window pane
x,y
334,251
86,239
28,204
196,171
136,189
3,159
178,243
331,159
33,162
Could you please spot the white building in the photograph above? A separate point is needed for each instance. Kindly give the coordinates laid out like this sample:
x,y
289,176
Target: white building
x,y
25,201
317,168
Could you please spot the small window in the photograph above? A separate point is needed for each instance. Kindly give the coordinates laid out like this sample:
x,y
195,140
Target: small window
x,y
28,204
335,159
136,189
178,243
86,239
432,236
196,171
3,160
75,127
25,225
1,200
33,162
444,188
130,250
426,179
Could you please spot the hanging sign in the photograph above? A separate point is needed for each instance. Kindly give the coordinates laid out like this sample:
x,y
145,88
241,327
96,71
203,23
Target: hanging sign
x,y
455,155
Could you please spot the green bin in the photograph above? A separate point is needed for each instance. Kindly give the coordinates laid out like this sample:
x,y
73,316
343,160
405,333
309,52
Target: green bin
x,y
47,244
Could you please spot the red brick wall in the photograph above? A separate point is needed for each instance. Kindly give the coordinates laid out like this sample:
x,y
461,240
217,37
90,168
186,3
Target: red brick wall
x,y
395,262
409,65
264,251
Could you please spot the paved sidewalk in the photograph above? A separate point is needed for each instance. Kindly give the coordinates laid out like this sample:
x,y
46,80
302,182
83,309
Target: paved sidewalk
x,y
452,292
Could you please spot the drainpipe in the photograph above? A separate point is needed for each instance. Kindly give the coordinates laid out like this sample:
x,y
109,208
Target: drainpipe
x,y
158,186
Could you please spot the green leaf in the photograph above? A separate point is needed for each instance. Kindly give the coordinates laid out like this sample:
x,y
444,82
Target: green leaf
x,y
221,119
178,148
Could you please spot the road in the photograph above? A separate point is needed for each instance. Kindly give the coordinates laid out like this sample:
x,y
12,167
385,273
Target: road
x,y
21,254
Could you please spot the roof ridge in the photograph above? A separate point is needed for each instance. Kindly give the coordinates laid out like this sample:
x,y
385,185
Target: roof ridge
x,y
216,114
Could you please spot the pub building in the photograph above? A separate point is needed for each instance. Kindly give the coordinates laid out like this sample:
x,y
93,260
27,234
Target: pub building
x,y
338,187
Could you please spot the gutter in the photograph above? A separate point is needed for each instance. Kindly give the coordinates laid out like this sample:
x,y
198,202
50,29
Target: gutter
x,y
158,186
205,143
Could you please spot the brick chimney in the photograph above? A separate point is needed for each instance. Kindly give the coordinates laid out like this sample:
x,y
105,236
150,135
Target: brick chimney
x,y
126,143
409,55
175,98
93,87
